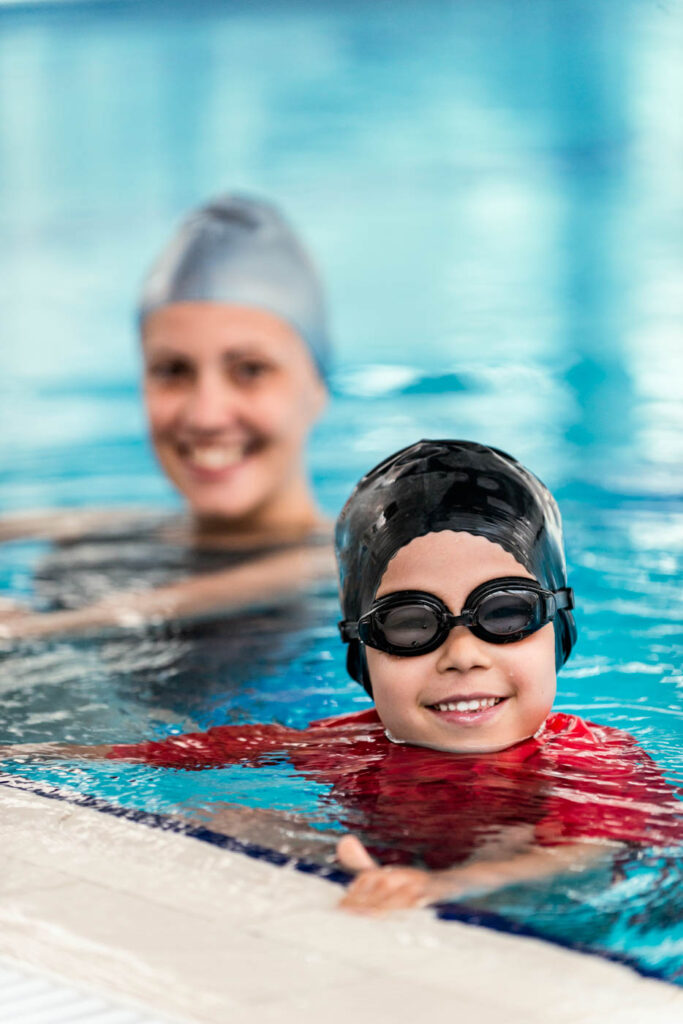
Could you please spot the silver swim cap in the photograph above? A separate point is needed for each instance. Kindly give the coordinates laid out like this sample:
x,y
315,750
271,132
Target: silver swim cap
x,y
241,251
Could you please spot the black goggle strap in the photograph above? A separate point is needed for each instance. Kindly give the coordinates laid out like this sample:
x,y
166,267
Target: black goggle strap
x,y
348,630
562,599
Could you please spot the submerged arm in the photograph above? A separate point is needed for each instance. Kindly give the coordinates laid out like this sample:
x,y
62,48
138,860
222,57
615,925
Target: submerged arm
x,y
216,747
379,889
60,524
53,751
270,576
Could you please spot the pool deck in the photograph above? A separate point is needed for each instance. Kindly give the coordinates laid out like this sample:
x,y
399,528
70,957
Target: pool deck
x,y
168,923
28,996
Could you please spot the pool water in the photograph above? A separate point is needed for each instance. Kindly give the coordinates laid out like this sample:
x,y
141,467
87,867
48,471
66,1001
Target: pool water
x,y
490,189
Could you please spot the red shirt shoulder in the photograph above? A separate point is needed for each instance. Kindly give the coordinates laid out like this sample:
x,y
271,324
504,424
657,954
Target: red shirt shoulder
x,y
572,730
356,719
602,785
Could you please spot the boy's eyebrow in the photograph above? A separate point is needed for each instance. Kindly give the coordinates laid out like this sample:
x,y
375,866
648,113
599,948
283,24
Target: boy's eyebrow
x,y
410,590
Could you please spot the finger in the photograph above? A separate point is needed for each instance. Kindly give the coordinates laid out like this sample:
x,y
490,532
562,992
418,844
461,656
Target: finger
x,y
377,884
360,901
352,854
402,898
380,899
366,883
361,895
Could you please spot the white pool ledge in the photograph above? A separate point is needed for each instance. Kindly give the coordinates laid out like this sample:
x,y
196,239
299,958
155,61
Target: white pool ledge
x,y
191,932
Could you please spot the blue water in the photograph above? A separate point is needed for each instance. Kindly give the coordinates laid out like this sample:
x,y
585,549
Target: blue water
x,y
491,190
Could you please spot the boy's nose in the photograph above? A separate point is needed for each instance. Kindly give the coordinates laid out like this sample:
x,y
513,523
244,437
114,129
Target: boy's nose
x,y
462,651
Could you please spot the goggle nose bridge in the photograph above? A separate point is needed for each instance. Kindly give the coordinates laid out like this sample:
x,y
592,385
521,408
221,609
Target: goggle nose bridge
x,y
467,618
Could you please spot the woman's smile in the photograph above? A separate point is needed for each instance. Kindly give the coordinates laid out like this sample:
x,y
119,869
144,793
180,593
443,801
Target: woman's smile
x,y
215,461
212,458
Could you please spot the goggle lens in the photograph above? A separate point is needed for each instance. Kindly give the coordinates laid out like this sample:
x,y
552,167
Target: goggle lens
x,y
408,626
505,614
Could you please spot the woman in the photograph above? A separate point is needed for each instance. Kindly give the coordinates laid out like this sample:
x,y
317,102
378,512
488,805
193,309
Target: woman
x,y
236,353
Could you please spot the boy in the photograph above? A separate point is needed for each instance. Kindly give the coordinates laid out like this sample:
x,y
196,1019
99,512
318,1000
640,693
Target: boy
x,y
457,615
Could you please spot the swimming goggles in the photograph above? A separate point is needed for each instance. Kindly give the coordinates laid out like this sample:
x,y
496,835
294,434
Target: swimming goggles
x,y
502,611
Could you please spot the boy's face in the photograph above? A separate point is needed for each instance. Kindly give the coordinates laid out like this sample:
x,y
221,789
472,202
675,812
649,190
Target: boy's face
x,y
410,693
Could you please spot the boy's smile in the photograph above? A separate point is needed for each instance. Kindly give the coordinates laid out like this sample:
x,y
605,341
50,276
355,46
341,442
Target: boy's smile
x,y
468,695
467,709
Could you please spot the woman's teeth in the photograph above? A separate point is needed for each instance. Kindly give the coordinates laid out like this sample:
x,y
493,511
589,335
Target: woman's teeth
x,y
217,457
468,705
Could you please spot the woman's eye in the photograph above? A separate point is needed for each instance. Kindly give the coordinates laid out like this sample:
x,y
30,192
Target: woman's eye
x,y
170,370
248,371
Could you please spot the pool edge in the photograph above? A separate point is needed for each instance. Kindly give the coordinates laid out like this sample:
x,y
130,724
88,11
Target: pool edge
x,y
96,899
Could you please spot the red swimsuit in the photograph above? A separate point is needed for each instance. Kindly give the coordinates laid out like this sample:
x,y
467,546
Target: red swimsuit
x,y
574,781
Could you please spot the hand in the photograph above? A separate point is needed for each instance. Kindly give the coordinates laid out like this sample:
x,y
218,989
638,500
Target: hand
x,y
377,890
10,609
21,623
12,616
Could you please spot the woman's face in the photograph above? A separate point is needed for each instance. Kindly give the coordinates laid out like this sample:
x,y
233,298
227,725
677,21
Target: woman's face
x,y
415,696
231,394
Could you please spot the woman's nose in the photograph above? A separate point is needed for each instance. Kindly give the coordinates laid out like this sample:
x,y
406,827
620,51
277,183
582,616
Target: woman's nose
x,y
462,651
211,404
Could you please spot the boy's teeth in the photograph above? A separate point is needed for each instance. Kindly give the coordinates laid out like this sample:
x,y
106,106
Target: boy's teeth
x,y
468,705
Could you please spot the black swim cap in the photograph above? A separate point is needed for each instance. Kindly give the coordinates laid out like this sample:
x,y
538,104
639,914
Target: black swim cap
x,y
241,250
447,485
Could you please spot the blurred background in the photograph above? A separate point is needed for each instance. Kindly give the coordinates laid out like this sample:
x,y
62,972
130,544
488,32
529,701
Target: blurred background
x,y
493,193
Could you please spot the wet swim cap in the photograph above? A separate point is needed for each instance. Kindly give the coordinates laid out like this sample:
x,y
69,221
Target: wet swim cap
x,y
447,485
241,251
